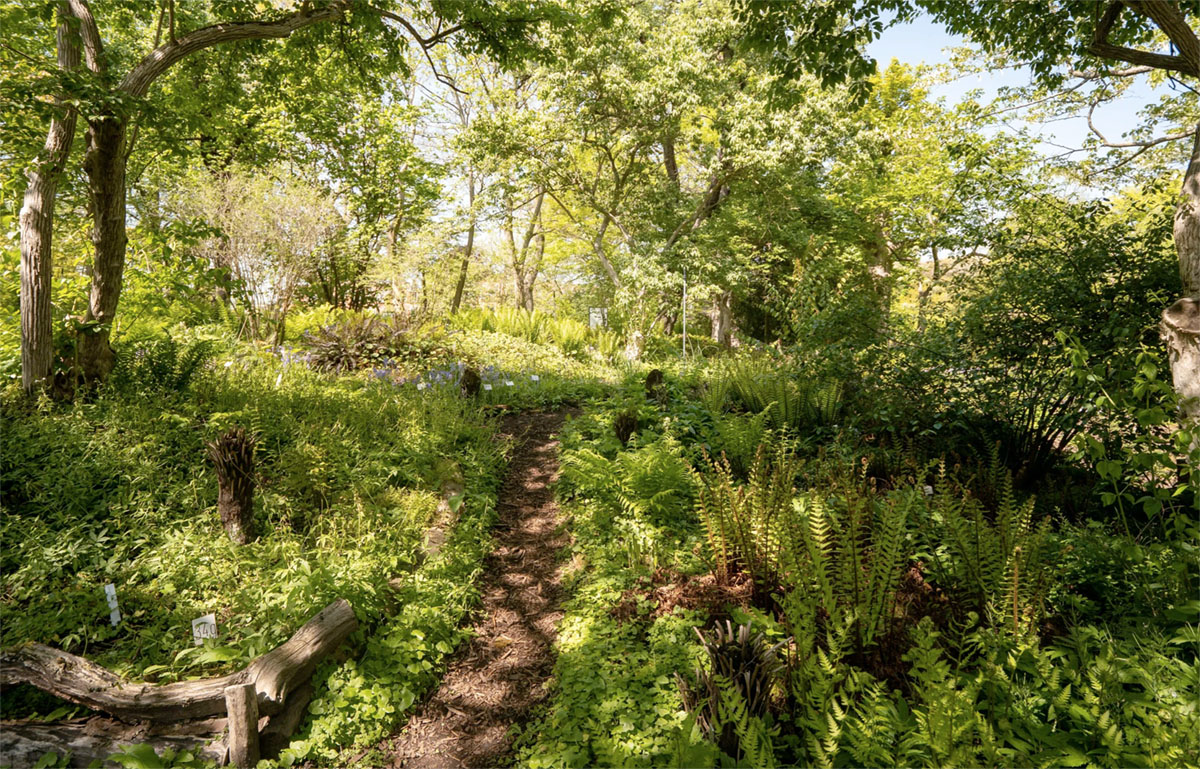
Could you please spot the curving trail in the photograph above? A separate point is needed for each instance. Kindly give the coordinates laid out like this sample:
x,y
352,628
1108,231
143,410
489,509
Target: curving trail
x,y
499,676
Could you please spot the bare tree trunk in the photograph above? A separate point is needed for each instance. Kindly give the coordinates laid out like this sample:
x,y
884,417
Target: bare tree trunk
x,y
37,224
722,325
1181,321
925,290
105,165
669,162
470,247
879,269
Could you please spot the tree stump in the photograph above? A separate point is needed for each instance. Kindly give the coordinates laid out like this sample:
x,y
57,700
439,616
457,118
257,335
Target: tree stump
x,y
470,383
625,425
233,455
655,390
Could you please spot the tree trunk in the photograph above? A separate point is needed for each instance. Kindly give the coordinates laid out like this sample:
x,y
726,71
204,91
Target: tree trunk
x,y
722,322
37,224
232,453
925,291
468,250
1181,321
879,268
105,165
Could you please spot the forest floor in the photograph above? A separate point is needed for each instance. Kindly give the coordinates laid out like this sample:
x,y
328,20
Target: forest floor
x,y
499,678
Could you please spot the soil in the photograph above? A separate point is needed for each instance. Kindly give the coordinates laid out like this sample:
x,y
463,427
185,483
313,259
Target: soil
x,y
500,677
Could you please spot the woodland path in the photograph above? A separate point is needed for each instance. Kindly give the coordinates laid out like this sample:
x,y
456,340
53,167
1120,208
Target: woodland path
x,y
499,677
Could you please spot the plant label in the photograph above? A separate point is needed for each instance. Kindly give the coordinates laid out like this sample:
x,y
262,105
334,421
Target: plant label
x,y
928,491
110,595
204,627
487,387
534,377
508,383
279,379
420,385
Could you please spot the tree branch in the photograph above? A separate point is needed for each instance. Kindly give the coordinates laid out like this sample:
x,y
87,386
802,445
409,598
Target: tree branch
x,y
158,61
1144,144
1106,50
1171,20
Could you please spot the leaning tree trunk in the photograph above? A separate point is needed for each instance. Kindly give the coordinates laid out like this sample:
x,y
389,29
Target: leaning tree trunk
x,y
105,165
1181,321
37,224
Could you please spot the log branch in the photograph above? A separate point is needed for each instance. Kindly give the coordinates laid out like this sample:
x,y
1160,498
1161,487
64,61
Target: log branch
x,y
274,675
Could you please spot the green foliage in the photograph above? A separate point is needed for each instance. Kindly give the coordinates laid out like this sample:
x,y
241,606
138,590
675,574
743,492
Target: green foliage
x,y
732,695
793,404
998,557
358,342
118,490
573,337
748,527
163,365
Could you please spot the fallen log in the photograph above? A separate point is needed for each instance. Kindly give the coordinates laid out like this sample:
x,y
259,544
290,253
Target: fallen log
x,y
88,740
273,675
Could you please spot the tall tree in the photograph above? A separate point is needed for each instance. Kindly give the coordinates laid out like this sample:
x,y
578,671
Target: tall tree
x,y
118,85
37,215
1056,40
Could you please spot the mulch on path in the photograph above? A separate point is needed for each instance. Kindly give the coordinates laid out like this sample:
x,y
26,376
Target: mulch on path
x,y
499,677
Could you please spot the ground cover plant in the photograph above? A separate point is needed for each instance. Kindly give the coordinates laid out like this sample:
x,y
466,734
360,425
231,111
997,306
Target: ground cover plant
x,y
880,428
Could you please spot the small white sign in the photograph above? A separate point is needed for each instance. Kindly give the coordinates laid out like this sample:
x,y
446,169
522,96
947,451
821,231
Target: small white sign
x,y
420,385
487,387
535,377
110,595
508,383
279,379
928,490
204,627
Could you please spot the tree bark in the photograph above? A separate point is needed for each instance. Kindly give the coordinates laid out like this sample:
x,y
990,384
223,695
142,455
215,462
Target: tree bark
x,y
468,250
722,323
105,166
37,223
1181,321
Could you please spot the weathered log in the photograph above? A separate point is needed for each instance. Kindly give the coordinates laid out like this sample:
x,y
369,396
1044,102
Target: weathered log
x,y
22,743
277,733
274,674
241,706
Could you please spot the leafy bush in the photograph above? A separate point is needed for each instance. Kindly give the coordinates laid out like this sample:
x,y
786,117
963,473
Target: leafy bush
x,y
355,343
163,365
793,404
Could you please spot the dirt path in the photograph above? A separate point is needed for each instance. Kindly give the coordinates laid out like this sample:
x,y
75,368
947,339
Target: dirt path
x,y
499,677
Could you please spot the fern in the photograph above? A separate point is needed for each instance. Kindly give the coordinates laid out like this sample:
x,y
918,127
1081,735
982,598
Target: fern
x,y
999,562
745,525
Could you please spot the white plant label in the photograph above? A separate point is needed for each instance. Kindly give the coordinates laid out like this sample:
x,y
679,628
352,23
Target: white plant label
x,y
928,491
508,383
535,377
487,387
110,594
204,627
279,379
420,385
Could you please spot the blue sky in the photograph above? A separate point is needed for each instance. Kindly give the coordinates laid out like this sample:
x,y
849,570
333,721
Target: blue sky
x,y
926,41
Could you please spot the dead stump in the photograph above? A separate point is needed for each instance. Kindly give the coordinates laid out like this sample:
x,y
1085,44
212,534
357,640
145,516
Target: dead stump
x,y
470,383
233,455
